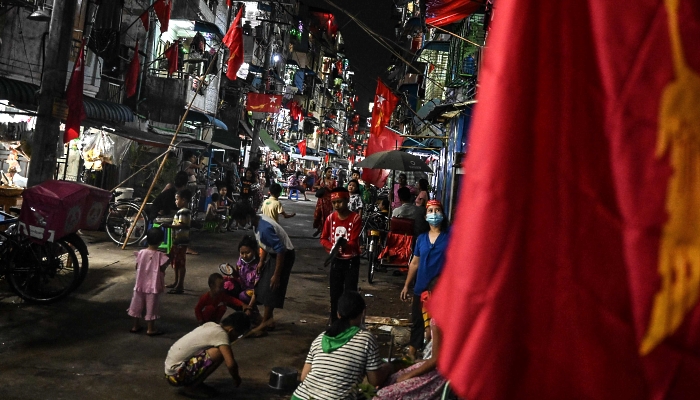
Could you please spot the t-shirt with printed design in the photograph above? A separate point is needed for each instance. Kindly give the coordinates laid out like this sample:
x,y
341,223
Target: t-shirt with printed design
x,y
348,228
355,202
204,337
182,219
272,208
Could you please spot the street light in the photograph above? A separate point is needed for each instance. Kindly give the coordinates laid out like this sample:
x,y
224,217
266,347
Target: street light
x,y
40,14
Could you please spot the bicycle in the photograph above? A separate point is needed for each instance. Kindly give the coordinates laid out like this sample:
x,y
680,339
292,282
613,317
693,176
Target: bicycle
x,y
37,272
121,215
374,228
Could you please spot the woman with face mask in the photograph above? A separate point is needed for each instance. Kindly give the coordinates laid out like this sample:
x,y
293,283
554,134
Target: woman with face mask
x,y
426,265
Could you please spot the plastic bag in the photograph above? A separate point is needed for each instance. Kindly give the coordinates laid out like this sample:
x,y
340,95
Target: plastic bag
x,y
97,149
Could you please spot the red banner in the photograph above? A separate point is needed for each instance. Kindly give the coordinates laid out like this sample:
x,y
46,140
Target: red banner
x,y
162,9
260,102
145,20
171,54
234,41
74,98
302,148
573,269
132,75
380,138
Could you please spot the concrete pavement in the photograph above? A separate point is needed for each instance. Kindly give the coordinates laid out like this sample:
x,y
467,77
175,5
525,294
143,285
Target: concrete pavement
x,y
81,348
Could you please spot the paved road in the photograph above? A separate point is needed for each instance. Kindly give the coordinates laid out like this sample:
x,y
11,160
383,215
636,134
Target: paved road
x,y
81,348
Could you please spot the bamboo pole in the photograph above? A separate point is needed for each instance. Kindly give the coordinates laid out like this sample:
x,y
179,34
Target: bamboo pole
x,y
455,35
140,169
170,147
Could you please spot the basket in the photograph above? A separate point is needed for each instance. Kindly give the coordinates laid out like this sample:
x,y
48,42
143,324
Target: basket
x,y
7,191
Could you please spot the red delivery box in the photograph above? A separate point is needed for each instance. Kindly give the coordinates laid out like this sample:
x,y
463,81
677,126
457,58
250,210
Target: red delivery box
x,y
96,204
52,210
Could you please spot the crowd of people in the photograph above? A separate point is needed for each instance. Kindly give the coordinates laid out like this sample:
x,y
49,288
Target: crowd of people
x,y
343,355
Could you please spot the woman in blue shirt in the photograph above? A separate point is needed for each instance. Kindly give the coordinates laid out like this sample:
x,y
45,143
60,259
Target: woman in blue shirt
x,y
426,265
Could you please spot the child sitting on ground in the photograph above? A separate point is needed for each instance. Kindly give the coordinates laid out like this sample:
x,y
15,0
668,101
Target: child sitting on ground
x,y
212,213
211,306
150,274
272,206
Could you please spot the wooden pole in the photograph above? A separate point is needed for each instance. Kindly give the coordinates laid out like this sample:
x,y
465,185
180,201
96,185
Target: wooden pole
x,y
170,147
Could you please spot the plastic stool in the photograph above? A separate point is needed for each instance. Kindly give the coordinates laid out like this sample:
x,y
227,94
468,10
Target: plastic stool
x,y
167,244
293,193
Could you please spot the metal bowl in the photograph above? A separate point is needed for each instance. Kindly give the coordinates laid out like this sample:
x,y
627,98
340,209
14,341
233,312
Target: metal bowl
x,y
283,378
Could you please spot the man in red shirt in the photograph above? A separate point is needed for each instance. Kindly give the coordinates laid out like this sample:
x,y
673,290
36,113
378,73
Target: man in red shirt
x,y
345,266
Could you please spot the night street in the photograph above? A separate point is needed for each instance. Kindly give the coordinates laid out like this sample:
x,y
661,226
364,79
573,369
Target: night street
x,y
81,348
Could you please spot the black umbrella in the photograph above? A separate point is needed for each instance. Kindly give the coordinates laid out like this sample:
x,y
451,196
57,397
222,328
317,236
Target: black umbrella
x,y
394,159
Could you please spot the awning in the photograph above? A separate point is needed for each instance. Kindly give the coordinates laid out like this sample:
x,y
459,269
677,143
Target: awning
x,y
102,110
200,117
23,95
20,94
246,128
203,26
268,141
305,158
223,146
447,111
152,139
331,151
437,45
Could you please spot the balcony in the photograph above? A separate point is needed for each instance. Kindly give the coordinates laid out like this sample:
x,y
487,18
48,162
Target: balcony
x,y
203,10
167,98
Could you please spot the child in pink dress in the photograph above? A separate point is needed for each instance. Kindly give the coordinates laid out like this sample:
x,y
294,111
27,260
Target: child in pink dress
x,y
150,273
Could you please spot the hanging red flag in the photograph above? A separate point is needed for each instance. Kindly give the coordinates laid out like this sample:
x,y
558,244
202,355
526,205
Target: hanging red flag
x,y
171,54
234,41
132,76
302,147
326,158
572,270
162,9
380,138
229,3
145,19
74,98
260,102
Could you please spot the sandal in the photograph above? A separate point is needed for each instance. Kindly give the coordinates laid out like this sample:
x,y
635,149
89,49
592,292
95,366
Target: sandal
x,y
156,333
172,285
192,252
176,291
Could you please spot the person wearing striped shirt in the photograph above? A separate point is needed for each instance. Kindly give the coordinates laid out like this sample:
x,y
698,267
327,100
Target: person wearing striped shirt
x,y
340,357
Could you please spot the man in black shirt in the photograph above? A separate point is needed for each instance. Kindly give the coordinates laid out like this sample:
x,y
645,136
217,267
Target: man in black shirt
x,y
164,203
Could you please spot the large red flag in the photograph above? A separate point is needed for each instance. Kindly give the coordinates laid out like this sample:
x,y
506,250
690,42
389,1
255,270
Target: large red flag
x,y
74,98
576,270
162,9
234,41
380,138
302,147
261,102
171,54
132,75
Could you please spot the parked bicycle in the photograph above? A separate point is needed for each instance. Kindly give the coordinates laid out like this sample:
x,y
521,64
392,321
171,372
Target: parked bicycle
x,y
121,215
38,272
374,228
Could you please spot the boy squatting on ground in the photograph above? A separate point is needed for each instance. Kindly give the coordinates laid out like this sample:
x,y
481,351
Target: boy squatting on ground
x,y
196,355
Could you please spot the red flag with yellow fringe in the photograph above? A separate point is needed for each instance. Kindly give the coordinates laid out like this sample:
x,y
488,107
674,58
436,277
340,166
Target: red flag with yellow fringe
x,y
576,270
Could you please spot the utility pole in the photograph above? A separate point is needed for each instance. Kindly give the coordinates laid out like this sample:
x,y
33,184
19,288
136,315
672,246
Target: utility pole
x,y
254,147
47,137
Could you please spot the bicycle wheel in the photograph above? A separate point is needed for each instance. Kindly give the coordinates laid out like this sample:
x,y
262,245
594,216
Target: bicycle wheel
x,y
79,248
120,218
43,273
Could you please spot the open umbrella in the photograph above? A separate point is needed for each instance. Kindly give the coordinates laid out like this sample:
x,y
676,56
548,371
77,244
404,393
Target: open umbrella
x,y
394,159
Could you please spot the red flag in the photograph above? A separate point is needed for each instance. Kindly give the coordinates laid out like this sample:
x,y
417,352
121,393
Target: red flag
x,y
302,148
326,158
74,98
260,102
234,41
162,9
132,76
229,3
445,12
574,273
145,19
171,54
380,138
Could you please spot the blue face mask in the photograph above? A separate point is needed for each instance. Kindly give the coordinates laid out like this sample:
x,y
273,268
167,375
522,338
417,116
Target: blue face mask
x,y
434,219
